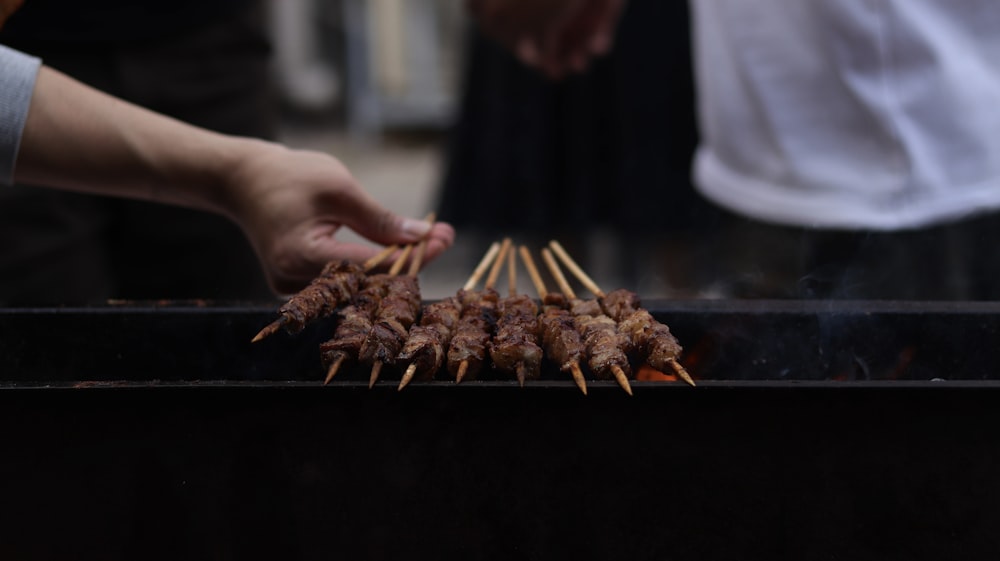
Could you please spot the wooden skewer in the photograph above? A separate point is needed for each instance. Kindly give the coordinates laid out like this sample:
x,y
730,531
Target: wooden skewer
x,y
376,368
585,280
574,370
681,372
462,368
621,379
379,257
511,273
536,278
269,329
334,368
411,371
397,266
483,265
491,280
557,274
418,258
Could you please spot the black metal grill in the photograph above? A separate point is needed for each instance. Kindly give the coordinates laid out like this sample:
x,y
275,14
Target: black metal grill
x,y
854,430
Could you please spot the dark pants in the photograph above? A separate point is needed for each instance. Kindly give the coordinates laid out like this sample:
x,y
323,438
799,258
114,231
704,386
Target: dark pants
x,y
955,261
59,248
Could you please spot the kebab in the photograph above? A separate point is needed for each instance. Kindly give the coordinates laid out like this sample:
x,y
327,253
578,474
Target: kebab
x,y
604,343
336,284
560,339
649,339
468,352
395,314
428,343
355,321
514,348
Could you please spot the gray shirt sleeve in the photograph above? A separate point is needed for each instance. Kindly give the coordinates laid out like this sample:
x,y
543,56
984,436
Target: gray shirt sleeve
x,y
17,81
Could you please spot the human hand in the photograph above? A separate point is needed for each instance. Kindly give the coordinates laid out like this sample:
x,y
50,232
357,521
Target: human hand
x,y
555,36
291,203
7,8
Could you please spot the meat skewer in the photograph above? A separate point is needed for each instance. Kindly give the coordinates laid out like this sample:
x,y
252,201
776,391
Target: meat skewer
x,y
354,325
652,339
560,339
649,338
336,284
514,347
468,352
604,343
356,319
395,314
428,343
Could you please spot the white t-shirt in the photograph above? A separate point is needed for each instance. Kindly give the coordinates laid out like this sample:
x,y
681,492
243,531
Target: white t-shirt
x,y
855,114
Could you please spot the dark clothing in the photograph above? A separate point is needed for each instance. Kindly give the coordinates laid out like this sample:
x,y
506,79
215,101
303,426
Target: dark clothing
x,y
79,22
611,147
64,248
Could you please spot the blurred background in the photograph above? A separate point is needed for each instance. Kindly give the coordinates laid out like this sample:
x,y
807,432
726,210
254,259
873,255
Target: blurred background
x,y
429,115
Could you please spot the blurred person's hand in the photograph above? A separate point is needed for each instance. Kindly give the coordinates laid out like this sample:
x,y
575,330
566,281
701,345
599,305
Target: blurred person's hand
x,y
291,203
556,36
7,8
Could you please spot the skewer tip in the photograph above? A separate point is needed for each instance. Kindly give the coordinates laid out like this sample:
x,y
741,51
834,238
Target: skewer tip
x,y
334,368
578,377
622,379
376,368
520,375
269,330
407,376
463,367
682,373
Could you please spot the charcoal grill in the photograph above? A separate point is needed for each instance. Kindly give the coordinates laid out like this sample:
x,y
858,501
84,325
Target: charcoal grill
x,y
818,430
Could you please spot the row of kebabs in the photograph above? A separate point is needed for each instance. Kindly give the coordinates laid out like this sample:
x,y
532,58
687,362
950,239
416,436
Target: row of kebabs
x,y
381,321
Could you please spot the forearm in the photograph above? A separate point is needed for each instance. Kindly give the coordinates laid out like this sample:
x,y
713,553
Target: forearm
x,y
289,203
80,139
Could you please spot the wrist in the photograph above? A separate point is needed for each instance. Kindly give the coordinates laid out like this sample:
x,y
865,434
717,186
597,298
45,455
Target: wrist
x,y
235,169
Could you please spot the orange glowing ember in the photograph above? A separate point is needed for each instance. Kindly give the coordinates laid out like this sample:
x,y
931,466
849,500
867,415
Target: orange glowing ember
x,y
647,373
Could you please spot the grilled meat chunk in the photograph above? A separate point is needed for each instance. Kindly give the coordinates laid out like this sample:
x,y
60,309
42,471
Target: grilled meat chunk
x,y
652,340
396,313
604,343
514,348
560,338
427,343
335,285
355,322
